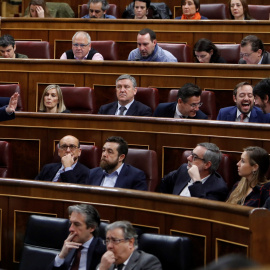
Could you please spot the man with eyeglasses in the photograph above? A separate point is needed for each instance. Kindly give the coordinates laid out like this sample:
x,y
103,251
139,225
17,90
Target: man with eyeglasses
x,y
244,111
81,48
187,105
83,248
69,170
97,10
199,177
122,252
252,51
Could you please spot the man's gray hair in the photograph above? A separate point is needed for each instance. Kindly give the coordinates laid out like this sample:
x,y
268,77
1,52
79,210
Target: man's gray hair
x,y
84,33
105,4
128,230
212,154
126,76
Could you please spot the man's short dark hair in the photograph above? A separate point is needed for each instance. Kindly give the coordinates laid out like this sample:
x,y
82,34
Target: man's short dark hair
x,y
7,40
123,146
240,85
262,89
151,33
105,5
91,214
189,90
255,43
148,2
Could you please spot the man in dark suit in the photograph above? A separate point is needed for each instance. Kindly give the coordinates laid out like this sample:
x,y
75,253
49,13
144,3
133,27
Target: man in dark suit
x,y
70,170
82,248
261,92
252,51
8,112
126,89
121,241
187,105
244,111
113,172
198,178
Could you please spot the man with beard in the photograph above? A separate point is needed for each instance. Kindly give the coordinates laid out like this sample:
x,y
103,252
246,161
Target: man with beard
x,y
113,172
198,178
69,170
244,111
83,248
261,92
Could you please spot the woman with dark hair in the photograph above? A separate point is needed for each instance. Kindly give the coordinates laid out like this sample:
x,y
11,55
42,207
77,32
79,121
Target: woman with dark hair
x,y
253,189
238,10
190,10
38,9
141,9
205,51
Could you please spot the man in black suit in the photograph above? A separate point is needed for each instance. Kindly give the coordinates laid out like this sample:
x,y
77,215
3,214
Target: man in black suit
x,y
252,51
113,172
70,170
198,178
121,241
187,105
82,248
261,93
126,89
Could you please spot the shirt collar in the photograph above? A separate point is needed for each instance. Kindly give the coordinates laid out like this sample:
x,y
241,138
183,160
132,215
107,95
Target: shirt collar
x,y
238,114
116,172
127,106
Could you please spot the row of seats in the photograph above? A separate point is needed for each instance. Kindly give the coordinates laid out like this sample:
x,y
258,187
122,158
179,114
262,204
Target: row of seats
x,y
109,50
82,99
218,11
45,236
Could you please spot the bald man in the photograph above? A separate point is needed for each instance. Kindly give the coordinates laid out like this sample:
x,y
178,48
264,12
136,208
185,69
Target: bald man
x,y
70,170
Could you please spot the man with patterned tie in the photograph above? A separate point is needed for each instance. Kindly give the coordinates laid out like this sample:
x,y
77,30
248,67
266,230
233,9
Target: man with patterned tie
x,y
244,111
122,253
126,89
82,249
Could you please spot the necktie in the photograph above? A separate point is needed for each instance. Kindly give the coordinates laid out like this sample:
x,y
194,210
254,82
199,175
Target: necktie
x,y
242,117
122,109
119,266
77,257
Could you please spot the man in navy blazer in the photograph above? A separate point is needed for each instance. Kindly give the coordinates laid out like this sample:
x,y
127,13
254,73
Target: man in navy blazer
x,y
187,105
8,112
198,178
126,89
113,172
69,170
244,111
83,238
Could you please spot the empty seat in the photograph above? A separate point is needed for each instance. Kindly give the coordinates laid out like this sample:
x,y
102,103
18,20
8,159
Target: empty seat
x,y
90,155
34,49
7,90
230,52
44,239
181,51
6,161
214,11
145,160
259,12
148,96
107,48
79,99
207,98
113,10
174,252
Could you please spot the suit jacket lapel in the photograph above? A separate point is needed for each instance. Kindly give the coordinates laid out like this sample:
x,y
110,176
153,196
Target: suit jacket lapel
x,y
113,109
54,170
90,252
97,178
182,181
232,114
133,260
120,182
132,109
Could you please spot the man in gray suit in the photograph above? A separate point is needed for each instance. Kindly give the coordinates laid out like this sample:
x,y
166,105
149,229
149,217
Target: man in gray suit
x,y
121,241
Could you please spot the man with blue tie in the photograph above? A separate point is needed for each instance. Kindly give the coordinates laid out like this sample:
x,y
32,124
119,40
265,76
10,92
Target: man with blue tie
x,y
126,89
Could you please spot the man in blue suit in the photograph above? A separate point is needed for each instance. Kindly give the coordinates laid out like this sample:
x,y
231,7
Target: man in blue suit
x,y
187,104
244,111
198,178
83,248
113,172
126,89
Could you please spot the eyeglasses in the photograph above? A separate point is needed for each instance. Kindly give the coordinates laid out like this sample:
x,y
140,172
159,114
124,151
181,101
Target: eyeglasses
x,y
194,157
114,241
80,45
246,54
72,147
194,105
